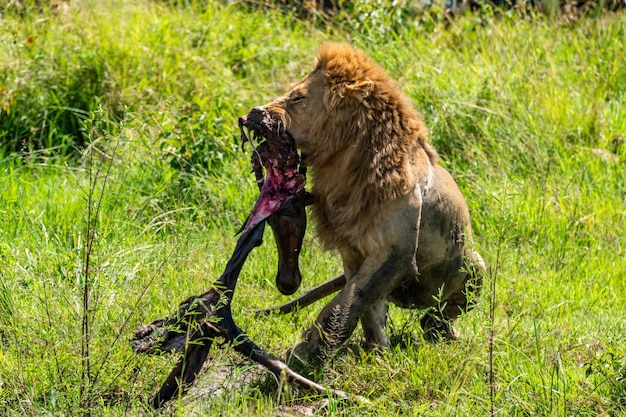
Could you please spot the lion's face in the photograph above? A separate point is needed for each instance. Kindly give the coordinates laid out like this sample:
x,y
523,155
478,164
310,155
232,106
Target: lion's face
x,y
301,109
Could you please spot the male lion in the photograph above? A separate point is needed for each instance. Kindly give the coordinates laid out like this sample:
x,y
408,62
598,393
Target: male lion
x,y
395,215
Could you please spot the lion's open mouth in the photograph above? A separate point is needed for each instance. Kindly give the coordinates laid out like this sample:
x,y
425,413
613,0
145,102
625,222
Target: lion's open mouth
x,y
277,153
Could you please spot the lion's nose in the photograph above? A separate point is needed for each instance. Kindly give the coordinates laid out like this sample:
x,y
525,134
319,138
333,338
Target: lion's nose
x,y
254,117
258,110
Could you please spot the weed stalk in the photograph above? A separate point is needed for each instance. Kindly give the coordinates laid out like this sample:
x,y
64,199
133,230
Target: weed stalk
x,y
94,203
492,310
493,299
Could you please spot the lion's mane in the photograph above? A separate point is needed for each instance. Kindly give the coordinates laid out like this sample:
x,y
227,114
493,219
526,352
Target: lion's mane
x,y
371,148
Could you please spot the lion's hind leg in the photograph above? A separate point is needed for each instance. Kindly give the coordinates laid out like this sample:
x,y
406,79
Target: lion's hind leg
x,y
437,323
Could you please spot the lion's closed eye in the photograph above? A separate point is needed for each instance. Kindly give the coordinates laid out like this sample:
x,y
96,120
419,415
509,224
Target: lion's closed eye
x,y
297,98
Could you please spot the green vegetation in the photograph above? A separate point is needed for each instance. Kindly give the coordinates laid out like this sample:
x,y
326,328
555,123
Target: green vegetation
x,y
122,185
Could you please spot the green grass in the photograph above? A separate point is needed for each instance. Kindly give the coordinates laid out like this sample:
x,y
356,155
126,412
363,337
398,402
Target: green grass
x,y
129,108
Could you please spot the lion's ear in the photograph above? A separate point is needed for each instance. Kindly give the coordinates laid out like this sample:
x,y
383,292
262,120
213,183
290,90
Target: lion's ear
x,y
358,90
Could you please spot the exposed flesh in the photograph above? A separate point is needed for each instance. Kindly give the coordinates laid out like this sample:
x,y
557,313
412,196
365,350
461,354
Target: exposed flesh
x,y
278,155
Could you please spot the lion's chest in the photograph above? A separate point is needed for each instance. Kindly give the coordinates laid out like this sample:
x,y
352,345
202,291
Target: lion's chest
x,y
339,205
336,218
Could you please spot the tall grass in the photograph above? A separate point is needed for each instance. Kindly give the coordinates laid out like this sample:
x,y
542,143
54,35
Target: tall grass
x,y
527,113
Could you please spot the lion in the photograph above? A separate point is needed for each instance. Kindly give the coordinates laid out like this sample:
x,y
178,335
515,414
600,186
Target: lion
x,y
396,216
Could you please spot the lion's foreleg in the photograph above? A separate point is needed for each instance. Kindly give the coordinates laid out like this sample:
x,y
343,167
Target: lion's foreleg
x,y
335,323
362,297
374,321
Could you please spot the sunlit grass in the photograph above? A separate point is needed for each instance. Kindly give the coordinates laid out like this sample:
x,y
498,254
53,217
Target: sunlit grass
x,y
527,114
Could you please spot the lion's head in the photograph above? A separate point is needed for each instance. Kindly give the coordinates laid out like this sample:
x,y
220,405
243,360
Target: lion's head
x,y
346,100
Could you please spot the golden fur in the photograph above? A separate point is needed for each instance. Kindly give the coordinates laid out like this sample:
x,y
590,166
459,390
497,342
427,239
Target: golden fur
x,y
370,151
360,169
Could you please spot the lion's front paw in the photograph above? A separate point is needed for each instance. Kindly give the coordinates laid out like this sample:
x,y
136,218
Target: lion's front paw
x,y
301,357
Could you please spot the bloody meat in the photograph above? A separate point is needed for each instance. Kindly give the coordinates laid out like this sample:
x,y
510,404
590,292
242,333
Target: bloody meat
x,y
278,155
